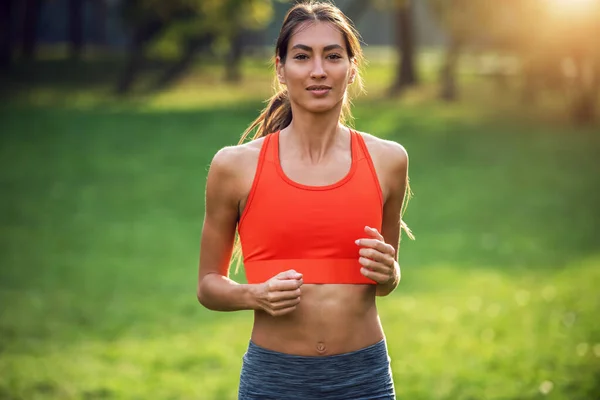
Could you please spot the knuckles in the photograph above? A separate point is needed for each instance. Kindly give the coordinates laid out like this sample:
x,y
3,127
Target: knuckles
x,y
391,250
379,248
372,253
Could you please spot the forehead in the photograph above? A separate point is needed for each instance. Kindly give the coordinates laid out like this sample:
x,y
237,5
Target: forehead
x,y
316,34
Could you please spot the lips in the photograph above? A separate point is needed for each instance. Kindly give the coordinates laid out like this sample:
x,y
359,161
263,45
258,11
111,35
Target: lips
x,y
319,91
318,87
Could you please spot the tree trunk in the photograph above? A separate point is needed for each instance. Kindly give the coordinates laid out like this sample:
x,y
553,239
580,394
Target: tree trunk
x,y
448,90
406,74
30,25
75,14
6,36
584,108
175,71
100,16
585,96
234,58
143,34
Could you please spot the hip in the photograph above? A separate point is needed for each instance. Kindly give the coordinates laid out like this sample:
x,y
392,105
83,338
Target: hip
x,y
363,374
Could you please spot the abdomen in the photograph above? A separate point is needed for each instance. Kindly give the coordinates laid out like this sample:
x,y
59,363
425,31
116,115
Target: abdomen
x,y
330,319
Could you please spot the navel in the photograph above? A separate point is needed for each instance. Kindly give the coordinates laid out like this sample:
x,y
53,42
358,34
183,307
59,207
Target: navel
x,y
321,348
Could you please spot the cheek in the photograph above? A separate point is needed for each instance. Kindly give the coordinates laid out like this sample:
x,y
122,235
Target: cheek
x,y
341,72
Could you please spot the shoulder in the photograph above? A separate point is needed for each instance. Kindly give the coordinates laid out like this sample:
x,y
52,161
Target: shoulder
x,y
231,171
231,160
388,155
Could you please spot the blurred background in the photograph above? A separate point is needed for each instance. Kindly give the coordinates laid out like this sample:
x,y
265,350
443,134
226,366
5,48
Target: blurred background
x,y
112,110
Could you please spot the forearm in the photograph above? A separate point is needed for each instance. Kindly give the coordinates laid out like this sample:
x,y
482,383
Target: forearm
x,y
387,288
219,293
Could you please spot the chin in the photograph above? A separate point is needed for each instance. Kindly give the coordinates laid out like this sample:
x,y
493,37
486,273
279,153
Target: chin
x,y
320,106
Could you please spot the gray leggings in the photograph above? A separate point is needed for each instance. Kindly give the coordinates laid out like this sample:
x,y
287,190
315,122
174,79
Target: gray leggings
x,y
364,374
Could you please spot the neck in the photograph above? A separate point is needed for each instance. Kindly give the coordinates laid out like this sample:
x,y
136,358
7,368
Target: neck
x,y
314,135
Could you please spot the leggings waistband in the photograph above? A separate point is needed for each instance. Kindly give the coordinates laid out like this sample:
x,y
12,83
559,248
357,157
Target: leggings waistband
x,y
360,374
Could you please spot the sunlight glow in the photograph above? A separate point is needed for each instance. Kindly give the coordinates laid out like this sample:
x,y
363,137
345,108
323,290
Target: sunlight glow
x,y
572,3
572,8
569,6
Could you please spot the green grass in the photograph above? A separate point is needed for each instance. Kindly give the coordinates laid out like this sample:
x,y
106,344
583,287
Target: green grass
x,y
102,207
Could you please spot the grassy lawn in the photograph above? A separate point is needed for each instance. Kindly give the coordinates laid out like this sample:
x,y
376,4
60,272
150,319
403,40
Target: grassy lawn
x,y
102,207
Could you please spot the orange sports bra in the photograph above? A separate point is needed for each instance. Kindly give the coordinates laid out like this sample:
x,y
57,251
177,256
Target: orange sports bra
x,y
311,229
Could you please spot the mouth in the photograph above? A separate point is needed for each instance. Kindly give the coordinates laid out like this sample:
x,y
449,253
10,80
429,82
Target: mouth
x,y
319,90
318,87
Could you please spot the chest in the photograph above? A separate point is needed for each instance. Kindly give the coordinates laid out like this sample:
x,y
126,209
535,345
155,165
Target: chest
x,y
322,174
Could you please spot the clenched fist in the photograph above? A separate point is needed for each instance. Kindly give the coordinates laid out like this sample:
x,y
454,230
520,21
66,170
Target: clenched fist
x,y
281,294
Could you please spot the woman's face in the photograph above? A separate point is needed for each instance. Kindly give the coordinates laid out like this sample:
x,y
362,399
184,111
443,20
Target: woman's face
x,y
317,68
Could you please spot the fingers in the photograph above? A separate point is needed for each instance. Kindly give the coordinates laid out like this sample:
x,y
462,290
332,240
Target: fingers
x,y
283,311
377,256
379,245
275,285
376,276
281,294
274,297
289,274
282,305
375,266
373,233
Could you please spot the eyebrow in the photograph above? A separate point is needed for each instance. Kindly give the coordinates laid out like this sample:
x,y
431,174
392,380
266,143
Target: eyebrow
x,y
326,48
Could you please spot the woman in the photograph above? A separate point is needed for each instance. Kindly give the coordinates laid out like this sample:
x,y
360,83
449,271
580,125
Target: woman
x,y
318,211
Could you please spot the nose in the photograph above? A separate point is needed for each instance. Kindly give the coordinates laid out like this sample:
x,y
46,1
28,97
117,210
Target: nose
x,y
318,72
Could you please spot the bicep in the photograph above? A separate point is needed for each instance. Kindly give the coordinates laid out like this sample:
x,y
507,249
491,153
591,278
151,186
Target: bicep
x,y
220,219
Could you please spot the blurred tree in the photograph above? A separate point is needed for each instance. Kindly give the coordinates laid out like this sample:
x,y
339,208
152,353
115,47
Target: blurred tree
x,y
191,26
406,71
464,22
30,25
6,37
75,21
404,42
100,16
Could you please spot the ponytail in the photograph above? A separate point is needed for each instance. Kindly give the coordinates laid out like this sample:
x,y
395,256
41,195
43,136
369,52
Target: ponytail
x,y
403,226
276,116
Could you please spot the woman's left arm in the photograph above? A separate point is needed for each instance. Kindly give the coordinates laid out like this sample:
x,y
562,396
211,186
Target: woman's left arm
x,y
379,250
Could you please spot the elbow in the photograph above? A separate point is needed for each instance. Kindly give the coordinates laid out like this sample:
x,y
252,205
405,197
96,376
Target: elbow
x,y
207,297
199,296
202,297
204,301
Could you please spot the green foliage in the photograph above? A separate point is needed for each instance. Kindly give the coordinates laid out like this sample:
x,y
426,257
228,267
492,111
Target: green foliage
x,y
187,19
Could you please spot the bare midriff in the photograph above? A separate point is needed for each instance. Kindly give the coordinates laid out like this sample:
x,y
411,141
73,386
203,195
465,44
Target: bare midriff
x,y
330,319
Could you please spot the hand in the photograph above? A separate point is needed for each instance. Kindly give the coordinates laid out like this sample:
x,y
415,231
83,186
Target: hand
x,y
281,294
377,258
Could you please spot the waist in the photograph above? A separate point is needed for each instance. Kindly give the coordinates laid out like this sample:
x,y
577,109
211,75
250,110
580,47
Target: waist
x,y
378,349
330,319
313,270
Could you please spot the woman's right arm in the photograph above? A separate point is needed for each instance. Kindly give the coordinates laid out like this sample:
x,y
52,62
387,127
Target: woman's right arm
x,y
215,290
224,190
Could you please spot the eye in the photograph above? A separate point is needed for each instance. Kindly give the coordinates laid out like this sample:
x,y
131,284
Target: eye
x,y
300,57
334,56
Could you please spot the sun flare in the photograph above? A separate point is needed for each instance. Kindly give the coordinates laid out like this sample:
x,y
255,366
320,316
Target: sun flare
x,y
573,8
569,4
